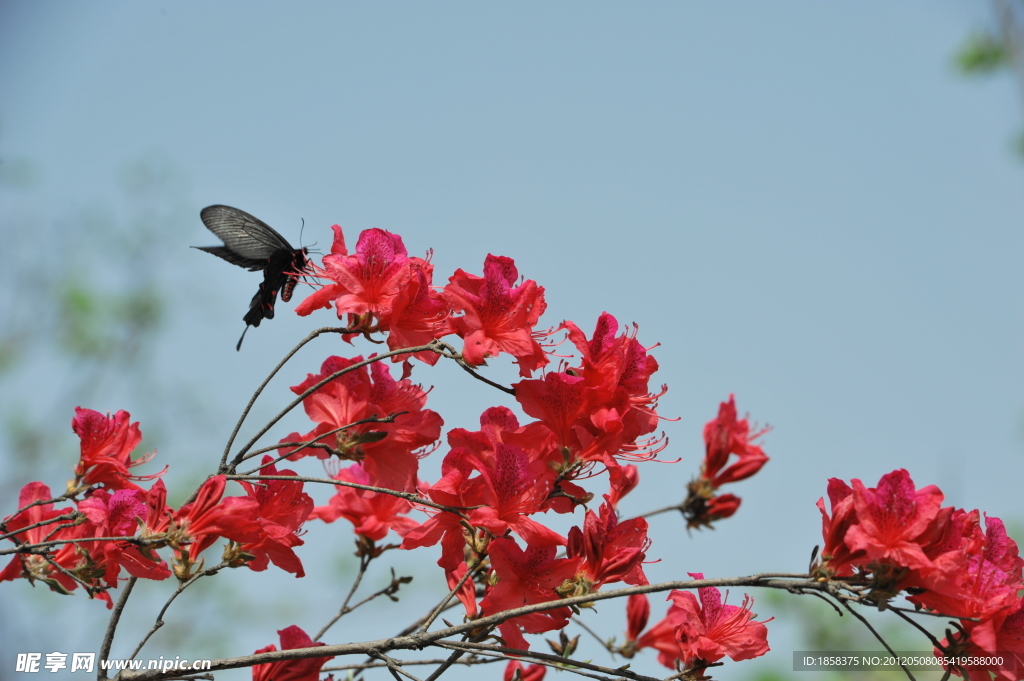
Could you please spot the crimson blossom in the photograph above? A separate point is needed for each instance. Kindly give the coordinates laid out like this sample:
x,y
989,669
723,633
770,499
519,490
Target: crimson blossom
x,y
387,450
725,436
902,540
696,634
66,559
308,669
499,316
372,514
106,446
516,671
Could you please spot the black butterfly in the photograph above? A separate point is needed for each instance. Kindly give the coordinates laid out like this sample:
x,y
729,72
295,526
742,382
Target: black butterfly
x,y
253,244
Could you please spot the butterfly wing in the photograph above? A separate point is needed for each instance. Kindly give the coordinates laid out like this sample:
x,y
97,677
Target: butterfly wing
x,y
253,244
245,236
233,258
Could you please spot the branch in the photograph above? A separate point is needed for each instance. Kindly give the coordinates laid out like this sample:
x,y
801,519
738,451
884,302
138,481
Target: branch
x,y
240,456
677,507
40,548
177,592
449,352
472,660
880,639
67,496
480,634
392,666
418,641
115,617
89,588
67,516
408,496
255,395
916,625
547,659
315,442
451,594
364,562
604,644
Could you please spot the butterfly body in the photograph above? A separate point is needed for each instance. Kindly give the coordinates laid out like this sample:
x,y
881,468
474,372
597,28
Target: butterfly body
x,y
254,245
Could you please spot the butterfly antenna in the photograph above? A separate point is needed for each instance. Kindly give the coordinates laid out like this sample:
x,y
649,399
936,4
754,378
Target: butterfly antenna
x,y
239,346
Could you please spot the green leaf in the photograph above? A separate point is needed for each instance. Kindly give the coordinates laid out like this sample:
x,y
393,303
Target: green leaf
x,y
982,53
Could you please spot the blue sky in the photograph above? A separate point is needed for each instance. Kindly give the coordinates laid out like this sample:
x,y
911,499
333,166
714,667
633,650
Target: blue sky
x,y
803,203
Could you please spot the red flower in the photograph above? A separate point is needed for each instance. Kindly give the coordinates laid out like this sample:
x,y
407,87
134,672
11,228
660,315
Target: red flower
x,y
619,369
622,480
499,316
119,514
638,610
197,525
373,514
515,671
107,443
902,538
837,557
513,488
418,315
386,449
442,526
705,632
35,567
364,282
526,577
602,409
283,507
726,436
891,518
308,669
999,637
973,574
610,551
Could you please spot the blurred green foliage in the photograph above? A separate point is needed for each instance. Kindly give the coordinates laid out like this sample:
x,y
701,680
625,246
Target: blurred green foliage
x,y
983,52
1000,48
103,325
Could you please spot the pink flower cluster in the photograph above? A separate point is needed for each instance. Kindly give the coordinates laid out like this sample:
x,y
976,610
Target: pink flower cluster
x,y
117,524
904,541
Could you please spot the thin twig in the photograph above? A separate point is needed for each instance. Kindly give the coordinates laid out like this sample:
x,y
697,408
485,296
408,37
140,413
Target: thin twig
x,y
408,496
880,639
89,589
824,598
364,562
115,617
931,614
604,644
392,665
177,592
416,625
928,634
452,353
315,442
255,395
472,660
451,594
239,457
677,507
548,660
67,496
446,665
40,548
56,519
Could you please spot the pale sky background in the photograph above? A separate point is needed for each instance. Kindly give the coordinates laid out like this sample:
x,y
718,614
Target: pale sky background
x,y
803,203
